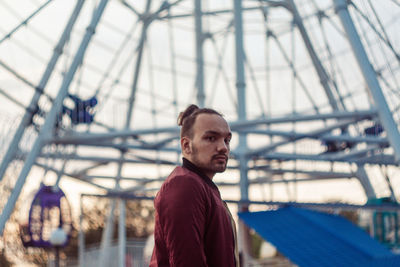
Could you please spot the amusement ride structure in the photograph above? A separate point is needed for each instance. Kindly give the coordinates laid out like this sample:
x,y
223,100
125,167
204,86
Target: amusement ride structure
x,y
310,89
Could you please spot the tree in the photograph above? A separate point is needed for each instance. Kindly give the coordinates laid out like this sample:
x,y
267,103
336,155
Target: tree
x,y
139,224
4,262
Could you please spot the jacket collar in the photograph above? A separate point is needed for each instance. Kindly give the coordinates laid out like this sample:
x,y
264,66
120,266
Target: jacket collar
x,y
193,168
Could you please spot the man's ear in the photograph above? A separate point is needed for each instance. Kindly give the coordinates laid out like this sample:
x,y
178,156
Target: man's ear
x,y
185,144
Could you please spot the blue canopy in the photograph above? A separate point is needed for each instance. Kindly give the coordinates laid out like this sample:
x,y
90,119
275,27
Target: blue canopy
x,y
311,238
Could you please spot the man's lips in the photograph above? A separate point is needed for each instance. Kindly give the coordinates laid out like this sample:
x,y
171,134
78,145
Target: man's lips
x,y
221,157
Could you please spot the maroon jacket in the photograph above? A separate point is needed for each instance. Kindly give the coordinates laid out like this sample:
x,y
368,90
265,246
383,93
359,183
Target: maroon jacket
x,y
192,224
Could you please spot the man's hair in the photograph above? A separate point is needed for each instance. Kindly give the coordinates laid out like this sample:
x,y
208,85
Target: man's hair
x,y
187,118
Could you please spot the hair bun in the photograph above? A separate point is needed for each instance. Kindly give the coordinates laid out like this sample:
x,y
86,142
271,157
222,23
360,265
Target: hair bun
x,y
186,113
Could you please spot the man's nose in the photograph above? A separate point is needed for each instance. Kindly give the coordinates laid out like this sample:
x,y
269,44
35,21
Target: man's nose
x,y
222,146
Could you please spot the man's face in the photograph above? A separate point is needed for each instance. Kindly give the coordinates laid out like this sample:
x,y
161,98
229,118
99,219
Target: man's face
x,y
209,147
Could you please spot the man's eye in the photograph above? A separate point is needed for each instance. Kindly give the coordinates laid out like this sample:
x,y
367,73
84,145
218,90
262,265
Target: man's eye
x,y
210,138
227,141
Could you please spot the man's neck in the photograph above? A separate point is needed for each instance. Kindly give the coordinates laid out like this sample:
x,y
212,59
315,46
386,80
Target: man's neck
x,y
199,169
194,168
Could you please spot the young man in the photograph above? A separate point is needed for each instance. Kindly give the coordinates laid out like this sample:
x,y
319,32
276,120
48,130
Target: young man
x,y
193,226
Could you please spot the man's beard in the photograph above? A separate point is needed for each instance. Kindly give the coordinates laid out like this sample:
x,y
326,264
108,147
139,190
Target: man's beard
x,y
208,167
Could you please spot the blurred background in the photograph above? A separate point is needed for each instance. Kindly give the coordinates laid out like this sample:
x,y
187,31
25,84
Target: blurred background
x,y
90,92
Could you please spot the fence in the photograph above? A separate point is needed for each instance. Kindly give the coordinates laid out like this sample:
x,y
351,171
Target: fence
x,y
134,256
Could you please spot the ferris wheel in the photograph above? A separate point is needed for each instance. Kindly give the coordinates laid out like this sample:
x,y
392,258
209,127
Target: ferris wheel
x,y
310,89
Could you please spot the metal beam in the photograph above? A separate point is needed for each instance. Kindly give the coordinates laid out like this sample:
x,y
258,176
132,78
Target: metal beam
x,y
78,138
315,133
370,77
226,11
327,174
112,177
383,141
267,180
118,146
81,236
322,74
355,153
47,128
288,118
146,18
64,173
341,206
362,176
199,53
27,118
241,113
379,159
107,235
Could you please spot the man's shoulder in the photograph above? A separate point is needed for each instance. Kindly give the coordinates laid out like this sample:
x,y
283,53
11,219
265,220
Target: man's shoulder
x,y
181,175
180,183
182,179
